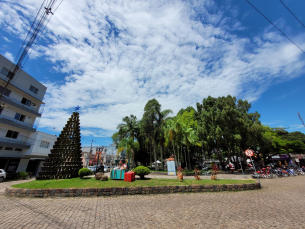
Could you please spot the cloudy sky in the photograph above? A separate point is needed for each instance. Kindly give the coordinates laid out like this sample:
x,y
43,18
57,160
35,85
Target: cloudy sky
x,y
111,57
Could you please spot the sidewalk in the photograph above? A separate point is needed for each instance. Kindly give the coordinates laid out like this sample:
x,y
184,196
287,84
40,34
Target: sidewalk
x,y
219,176
4,184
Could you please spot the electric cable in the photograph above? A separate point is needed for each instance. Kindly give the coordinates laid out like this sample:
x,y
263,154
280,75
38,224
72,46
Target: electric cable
x,y
292,13
275,26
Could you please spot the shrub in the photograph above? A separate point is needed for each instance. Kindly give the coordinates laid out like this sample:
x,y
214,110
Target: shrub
x,y
141,171
21,175
84,172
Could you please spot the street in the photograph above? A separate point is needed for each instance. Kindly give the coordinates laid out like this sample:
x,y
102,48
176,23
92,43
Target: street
x,y
279,204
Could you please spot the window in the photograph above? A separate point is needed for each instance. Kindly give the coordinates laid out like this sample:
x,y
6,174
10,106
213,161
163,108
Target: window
x,y
33,89
26,101
44,144
19,117
12,134
18,149
7,92
7,73
8,148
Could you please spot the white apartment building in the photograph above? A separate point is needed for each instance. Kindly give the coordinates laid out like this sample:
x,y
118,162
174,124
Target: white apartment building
x,y
22,148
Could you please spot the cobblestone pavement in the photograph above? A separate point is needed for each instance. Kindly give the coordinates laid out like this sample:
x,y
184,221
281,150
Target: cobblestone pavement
x,y
5,184
279,204
219,176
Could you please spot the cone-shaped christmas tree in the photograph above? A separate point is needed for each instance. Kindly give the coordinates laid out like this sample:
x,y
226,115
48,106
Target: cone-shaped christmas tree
x,y
64,161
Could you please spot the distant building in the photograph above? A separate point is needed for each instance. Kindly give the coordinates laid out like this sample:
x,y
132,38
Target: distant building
x,y
22,148
109,155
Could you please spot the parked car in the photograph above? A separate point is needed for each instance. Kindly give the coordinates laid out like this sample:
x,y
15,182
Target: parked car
x,y
106,169
92,168
2,175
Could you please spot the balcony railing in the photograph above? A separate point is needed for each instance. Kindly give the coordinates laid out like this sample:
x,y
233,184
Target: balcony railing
x,y
16,121
36,108
20,142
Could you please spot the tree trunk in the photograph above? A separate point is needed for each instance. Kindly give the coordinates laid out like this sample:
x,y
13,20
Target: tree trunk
x,y
155,154
174,153
161,149
188,154
219,154
150,154
185,158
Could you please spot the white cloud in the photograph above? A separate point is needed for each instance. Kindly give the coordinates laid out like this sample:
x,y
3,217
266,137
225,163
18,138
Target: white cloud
x,y
296,127
6,39
117,55
9,56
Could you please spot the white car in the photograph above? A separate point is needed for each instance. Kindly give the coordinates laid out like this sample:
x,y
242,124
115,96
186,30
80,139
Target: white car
x,y
106,169
2,175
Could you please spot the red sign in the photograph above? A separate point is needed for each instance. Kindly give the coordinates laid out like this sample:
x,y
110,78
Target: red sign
x,y
249,152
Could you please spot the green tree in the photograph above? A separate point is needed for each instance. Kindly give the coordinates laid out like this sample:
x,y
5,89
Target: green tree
x,y
150,125
130,146
130,127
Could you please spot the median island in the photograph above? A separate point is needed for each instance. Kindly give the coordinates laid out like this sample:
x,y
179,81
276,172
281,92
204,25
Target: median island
x,y
93,183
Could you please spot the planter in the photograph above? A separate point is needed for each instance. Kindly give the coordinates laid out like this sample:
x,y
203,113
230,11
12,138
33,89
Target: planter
x,y
180,176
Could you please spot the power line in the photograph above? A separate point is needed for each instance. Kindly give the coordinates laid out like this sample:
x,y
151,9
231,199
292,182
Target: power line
x,y
292,13
275,26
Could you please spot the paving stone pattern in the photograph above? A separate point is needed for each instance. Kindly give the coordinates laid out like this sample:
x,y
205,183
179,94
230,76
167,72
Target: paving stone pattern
x,y
279,204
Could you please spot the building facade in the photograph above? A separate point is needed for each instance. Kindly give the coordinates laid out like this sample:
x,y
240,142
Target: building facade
x,y
109,155
21,146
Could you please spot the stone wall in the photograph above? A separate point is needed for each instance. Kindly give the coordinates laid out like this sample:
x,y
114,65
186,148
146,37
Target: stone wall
x,y
74,192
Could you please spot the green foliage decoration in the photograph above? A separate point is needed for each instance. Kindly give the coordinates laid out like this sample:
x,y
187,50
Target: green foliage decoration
x,y
141,171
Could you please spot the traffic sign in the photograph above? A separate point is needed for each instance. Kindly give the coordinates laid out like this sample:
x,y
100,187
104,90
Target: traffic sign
x,y
249,152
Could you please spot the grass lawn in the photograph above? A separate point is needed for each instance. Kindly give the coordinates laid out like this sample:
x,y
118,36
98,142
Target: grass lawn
x,y
92,183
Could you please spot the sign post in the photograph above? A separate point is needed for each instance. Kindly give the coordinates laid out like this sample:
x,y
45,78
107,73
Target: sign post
x,y
249,153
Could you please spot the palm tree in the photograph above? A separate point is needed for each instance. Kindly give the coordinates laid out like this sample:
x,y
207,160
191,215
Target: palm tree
x,y
130,128
130,146
163,117
190,138
173,134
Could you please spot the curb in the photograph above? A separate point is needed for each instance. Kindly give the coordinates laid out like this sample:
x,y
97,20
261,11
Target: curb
x,y
86,192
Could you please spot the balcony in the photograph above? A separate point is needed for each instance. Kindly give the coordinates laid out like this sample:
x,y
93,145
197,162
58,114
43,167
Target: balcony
x,y
14,143
35,110
16,123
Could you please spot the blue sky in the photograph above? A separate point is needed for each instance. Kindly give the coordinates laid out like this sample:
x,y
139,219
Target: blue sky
x,y
111,57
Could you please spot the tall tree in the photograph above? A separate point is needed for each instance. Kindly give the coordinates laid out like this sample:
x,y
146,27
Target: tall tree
x,y
130,127
149,123
130,146
162,117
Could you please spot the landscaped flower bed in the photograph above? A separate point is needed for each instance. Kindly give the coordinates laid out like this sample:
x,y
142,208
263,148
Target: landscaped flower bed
x,y
91,187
